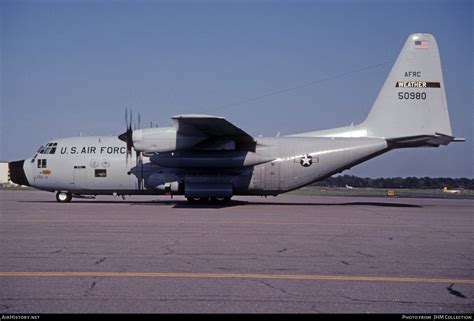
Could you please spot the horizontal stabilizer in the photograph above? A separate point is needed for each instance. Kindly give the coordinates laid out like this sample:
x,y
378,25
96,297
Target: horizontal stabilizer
x,y
423,141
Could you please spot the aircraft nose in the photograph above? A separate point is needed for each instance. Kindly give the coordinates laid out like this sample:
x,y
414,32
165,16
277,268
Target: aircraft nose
x,y
17,173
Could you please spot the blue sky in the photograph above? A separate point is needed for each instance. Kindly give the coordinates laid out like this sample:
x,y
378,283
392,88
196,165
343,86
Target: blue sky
x,y
71,67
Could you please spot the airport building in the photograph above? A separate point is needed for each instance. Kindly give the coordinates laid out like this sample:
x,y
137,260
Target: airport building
x,y
4,175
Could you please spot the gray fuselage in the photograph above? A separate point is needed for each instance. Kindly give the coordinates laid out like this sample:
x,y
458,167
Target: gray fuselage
x,y
99,165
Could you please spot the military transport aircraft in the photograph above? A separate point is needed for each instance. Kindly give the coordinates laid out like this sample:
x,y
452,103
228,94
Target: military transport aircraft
x,y
208,158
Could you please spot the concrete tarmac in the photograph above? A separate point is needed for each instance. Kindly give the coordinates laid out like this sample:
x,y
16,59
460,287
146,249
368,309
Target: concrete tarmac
x,y
288,254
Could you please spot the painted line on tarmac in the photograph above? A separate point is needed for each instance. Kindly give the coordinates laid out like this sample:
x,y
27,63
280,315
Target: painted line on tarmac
x,y
236,223
298,277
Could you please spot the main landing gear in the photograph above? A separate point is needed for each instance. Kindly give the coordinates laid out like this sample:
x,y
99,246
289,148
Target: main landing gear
x,y
205,200
63,197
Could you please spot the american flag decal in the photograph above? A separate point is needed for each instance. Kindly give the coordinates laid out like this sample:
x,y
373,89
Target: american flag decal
x,y
421,44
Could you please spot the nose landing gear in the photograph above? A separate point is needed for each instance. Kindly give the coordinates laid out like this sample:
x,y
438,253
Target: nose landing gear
x,y
63,197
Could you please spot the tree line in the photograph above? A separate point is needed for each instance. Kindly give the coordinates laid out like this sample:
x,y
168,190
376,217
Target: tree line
x,y
398,182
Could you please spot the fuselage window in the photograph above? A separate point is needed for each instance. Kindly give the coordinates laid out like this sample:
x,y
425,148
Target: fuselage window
x,y
41,163
100,173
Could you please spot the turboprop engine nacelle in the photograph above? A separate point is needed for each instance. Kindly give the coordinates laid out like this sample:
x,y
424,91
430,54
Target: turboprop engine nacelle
x,y
163,139
209,159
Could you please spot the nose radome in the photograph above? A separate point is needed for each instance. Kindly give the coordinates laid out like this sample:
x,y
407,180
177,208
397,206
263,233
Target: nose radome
x,y
17,173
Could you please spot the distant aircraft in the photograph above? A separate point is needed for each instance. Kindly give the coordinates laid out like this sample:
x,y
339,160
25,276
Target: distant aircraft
x,y
349,187
207,158
451,191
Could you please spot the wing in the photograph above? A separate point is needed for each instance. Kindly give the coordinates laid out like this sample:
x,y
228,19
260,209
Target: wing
x,y
216,128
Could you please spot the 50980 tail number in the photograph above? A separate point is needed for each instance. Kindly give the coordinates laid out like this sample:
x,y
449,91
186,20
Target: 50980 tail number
x,y
412,95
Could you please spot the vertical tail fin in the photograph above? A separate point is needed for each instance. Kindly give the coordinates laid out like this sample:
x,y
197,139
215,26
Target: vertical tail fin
x,y
412,101
411,109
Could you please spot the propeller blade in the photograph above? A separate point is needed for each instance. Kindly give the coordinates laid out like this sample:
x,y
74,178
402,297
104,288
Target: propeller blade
x,y
126,117
127,136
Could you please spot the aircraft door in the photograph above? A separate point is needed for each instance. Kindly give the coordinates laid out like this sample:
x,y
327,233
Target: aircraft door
x,y
272,176
257,180
80,177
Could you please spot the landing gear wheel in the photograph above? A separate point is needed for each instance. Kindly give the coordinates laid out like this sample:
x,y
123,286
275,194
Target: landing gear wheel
x,y
220,200
63,197
197,200
190,200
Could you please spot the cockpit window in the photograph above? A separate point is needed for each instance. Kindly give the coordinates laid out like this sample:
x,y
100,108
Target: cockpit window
x,y
41,163
50,148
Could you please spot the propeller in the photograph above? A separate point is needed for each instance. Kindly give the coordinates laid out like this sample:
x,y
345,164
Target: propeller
x,y
139,159
127,137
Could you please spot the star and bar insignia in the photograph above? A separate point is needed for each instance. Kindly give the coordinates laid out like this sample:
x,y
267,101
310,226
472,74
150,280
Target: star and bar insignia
x,y
306,160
